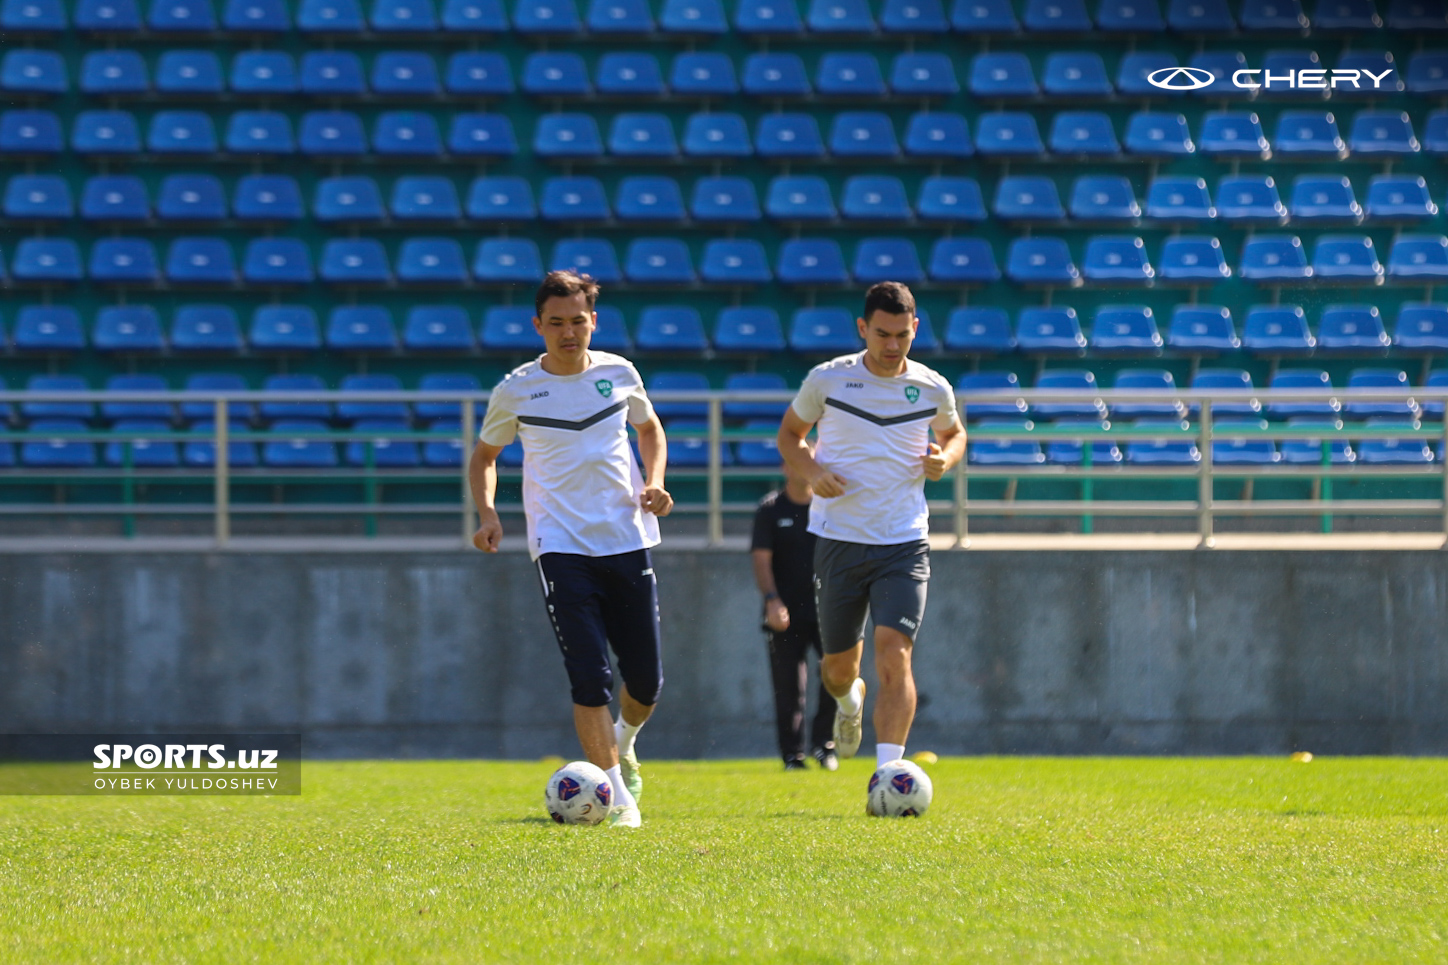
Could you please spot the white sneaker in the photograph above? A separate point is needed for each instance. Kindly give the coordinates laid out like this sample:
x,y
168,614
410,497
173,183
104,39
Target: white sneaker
x,y
633,777
850,729
625,816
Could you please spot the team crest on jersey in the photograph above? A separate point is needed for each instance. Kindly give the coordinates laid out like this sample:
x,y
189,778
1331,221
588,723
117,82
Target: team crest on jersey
x,y
604,387
912,393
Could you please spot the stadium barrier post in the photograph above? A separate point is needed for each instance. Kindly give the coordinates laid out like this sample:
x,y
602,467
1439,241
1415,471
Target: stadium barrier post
x,y
716,473
1088,486
1443,459
468,413
1325,483
221,461
1204,477
961,496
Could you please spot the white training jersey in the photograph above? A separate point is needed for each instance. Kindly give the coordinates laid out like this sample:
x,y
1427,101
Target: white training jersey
x,y
581,484
873,433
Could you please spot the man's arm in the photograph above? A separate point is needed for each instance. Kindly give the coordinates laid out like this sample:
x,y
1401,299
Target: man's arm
x,y
483,481
943,457
776,614
654,450
795,451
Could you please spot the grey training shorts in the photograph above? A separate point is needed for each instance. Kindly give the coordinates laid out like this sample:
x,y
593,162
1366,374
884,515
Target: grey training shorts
x,y
856,580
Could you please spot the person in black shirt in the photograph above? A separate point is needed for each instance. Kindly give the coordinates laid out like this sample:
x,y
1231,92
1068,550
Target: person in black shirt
x,y
783,556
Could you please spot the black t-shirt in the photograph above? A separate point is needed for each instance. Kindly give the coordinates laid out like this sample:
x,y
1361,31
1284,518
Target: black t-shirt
x,y
782,526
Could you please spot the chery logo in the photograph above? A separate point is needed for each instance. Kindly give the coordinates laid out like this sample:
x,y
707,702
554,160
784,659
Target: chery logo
x,y
1180,78
1195,78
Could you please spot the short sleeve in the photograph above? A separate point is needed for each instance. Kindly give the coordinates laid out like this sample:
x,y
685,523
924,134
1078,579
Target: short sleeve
x,y
500,424
640,409
809,404
946,413
763,538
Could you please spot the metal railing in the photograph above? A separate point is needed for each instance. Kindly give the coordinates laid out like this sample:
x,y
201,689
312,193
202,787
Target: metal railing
x,y
1196,427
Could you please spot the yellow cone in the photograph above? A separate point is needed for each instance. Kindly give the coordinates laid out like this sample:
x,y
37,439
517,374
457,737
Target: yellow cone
x,y
925,757
1302,757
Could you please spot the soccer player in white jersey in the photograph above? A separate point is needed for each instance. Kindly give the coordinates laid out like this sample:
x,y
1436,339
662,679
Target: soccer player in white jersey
x,y
591,519
874,411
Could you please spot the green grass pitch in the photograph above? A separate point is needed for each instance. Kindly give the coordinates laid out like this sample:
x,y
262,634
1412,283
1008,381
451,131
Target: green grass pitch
x,y
1019,860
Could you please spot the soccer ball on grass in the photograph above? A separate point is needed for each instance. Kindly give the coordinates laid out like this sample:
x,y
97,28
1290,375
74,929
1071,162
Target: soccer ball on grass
x,y
899,789
578,793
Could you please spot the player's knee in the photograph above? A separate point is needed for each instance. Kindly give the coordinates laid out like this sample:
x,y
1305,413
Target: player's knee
x,y
592,691
645,688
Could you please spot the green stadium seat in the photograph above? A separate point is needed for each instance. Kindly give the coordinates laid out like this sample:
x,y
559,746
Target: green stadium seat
x,y
1383,134
200,261
52,329
1068,380
332,73
1130,16
189,72
135,448
1041,261
1352,328
1250,198
115,410
1202,328
1050,330
361,328
863,134
649,199
1399,197
1417,15
979,331
256,17
411,134
432,261
987,451
181,17
206,328
1136,66
330,17
999,75
357,411
105,133
546,18
811,261
567,136
291,449
1077,74
933,134
426,198
573,199
37,197
403,17
48,448
830,331
1008,134
1027,198
914,17
1231,379
849,74
1125,329
176,133
115,198
703,73
1164,451
1348,259
724,199
1383,380
555,74
270,72
766,18
950,199
835,17
474,17
437,328
629,75
510,328
114,73
1277,330
716,136
1087,133
123,261
1159,135
355,199
1274,259
1146,380
748,328
33,72
332,134
1346,15
405,73
1273,15
507,261
1317,197
1421,326
887,259
482,136
739,261
1179,199
672,328
60,408
128,329
800,198
477,73
693,17
1417,257
792,136
1233,134
755,382
46,261
354,261
963,261
592,256
999,383
658,261
1193,259
1056,16
875,197
1103,197
983,17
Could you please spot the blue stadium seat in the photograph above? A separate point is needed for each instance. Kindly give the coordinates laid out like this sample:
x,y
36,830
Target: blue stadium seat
x,y
950,199
1056,16
1399,197
102,133
767,18
1167,450
1085,133
292,449
115,198
914,17
692,452
923,75
776,75
510,328
285,328
189,72
46,260
1002,75
264,72
1417,15
1053,329
354,261
123,261
200,261
1129,329
37,197
1078,74
1298,379
355,199
259,132
1129,16
437,328
800,198
1383,134
717,136
482,136
1202,328
24,132
863,134
114,73
330,17
650,198
592,256
811,261
375,382
182,17
1146,380
1277,330
178,133
505,198
140,451
925,341
1422,326
1233,134
724,199
1267,15
1418,256
1323,198
933,134
1250,198
383,448
32,16
1371,65
642,136
693,17
256,17
1352,328
1384,380
1118,260
59,408
875,197
403,73
1041,261
1008,134
361,328
658,261
447,451
759,452
1428,73
1222,65
1027,198
508,261
840,17
332,134
573,199
478,73
1135,67
748,328
610,334
1194,259
114,410
48,447
1346,15
1401,451
1179,199
108,17
983,17
824,331
425,198
1161,135
551,74
1232,379
268,197
963,261
671,328
1068,380
1308,134
546,17
53,329
447,382
703,73
849,74
128,328
432,261
629,74
887,259
1348,259
1274,259
1103,197
206,328
410,134
679,382
1070,452
612,17
1243,450
788,136
1279,66
35,72
987,451
739,261
996,383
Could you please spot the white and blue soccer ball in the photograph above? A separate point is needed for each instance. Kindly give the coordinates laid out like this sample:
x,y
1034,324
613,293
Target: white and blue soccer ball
x,y
578,793
899,789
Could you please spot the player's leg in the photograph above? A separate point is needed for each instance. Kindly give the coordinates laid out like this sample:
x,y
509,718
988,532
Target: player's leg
x,y
631,619
897,604
822,738
787,651
842,603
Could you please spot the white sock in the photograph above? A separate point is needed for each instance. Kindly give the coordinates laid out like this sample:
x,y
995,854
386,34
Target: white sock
x,y
885,753
621,796
850,702
624,733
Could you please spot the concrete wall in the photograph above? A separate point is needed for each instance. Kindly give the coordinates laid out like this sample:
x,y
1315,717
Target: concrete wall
x,y
451,655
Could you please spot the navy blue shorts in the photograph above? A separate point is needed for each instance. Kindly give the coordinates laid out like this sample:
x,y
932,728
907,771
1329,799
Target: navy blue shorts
x,y
598,601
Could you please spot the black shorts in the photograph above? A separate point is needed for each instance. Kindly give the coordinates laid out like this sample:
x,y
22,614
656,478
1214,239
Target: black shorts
x,y
856,580
595,602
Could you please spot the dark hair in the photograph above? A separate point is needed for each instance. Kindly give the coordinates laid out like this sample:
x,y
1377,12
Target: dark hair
x,y
890,297
562,284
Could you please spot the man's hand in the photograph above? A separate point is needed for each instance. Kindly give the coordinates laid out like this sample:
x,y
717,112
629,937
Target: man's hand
x,y
776,615
490,533
827,485
934,463
656,500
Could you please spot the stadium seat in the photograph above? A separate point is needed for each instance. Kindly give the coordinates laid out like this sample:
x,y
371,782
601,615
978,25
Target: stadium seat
x,y
115,198
1050,330
260,133
33,72
546,18
553,74
1321,198
1150,134
849,75
402,73
863,134
501,199
446,382
1399,197
332,134
1422,326
128,328
658,261
649,199
1418,256
189,72
292,449
1352,328
1273,15
410,134
256,17
1068,452
1308,134
285,328
1167,450
735,262
53,329
1008,134
1233,134
1179,199
950,199
693,17
46,260
1401,451
724,199
642,136
703,74
878,197
1346,259
330,17
508,261
1202,328
114,73
191,198
717,136
692,452
182,17
679,382
383,449
1076,75
1242,450
107,17
1068,380
60,408
613,17
629,75
1129,16
914,17
1234,379
1051,16
437,328
1371,66
354,261
1278,67
376,382
1390,380
823,331
1383,134
1125,329
48,448
610,334
1193,259
40,17
671,328
300,409
1222,65
1346,15
268,197
1118,260
1041,261
887,259
983,17
1274,259
30,133
206,328
95,133
573,199
178,133
1277,330
987,451
963,261
763,452
840,17
1146,380
201,452
356,200
923,75
998,75
1437,379
432,261
425,198
1136,66
767,18
482,136
800,198
1103,197
1417,15
478,73
510,328
776,75
749,328
38,197
1027,198
1084,132
1428,73
114,410
361,328
979,331
811,261
263,72
593,256
934,134
994,383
